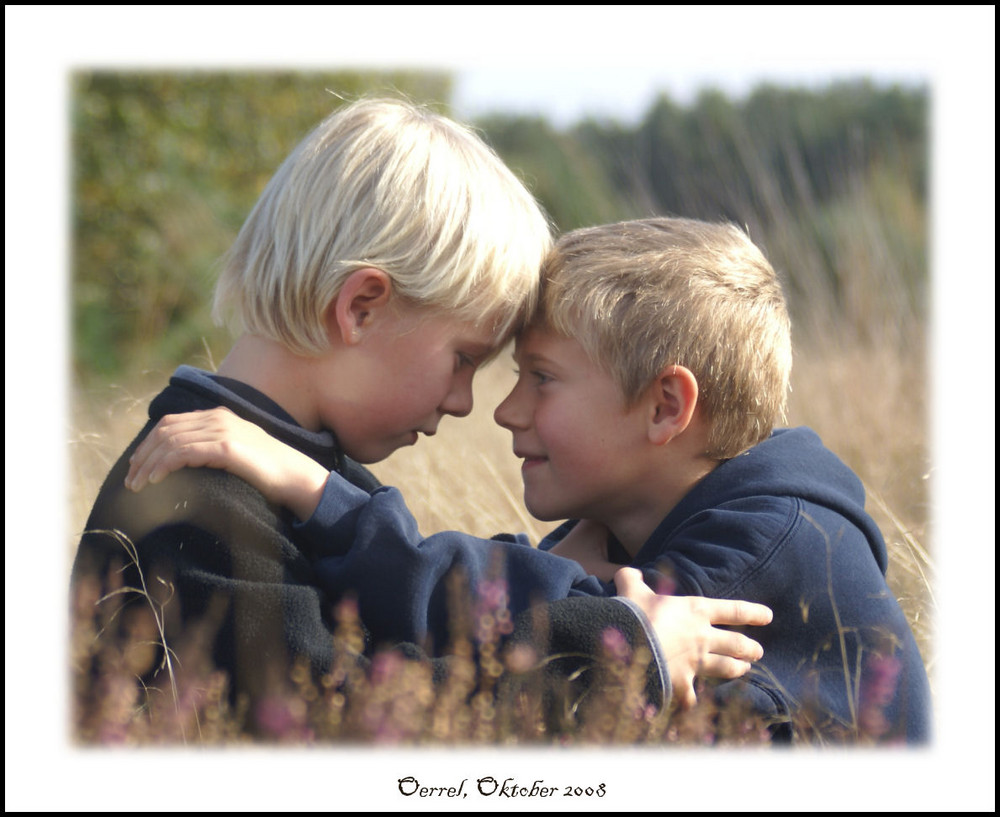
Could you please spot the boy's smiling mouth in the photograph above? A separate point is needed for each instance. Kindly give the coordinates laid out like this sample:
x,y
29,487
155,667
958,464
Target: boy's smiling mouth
x,y
530,460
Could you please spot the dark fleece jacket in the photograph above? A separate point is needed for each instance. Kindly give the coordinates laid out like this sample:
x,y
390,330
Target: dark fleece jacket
x,y
211,543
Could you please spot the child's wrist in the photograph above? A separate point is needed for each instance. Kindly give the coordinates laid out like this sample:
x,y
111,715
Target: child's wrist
x,y
302,494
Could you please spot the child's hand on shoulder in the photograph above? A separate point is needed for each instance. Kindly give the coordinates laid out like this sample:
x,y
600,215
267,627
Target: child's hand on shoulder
x,y
217,438
686,629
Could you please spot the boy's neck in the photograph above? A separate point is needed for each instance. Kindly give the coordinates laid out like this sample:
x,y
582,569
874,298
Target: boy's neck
x,y
276,372
679,467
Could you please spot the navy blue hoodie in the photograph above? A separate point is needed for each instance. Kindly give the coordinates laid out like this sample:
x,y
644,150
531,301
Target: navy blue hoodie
x,y
784,525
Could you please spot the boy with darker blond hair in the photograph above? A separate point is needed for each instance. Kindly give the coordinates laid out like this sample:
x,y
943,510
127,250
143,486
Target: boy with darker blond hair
x,y
650,381
389,256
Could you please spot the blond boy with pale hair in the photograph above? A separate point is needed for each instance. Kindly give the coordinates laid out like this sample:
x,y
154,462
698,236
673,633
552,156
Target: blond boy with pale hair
x,y
390,255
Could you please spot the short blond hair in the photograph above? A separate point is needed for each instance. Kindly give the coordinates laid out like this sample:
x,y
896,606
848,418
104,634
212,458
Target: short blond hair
x,y
390,185
643,295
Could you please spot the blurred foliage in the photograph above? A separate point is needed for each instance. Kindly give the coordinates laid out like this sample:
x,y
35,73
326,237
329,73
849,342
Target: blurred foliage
x,y
831,183
569,179
165,168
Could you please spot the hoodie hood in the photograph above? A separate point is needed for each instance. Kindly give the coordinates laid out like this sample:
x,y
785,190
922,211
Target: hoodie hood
x,y
793,464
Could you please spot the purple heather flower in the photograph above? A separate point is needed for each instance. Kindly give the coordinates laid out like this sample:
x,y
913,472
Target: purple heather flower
x,y
385,666
614,643
521,658
493,594
280,717
879,681
346,609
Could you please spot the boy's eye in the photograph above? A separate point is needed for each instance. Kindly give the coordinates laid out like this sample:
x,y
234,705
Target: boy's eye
x,y
462,360
539,377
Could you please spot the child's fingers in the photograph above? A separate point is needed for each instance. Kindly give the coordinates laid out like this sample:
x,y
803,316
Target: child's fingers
x,y
164,430
143,459
629,582
152,462
723,666
147,453
736,645
176,453
177,441
750,613
683,692
736,613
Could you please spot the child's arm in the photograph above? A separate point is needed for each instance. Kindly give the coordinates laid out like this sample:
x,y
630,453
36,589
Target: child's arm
x,y
217,438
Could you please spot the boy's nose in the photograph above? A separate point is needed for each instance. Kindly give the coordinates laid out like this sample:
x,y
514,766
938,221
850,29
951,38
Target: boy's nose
x,y
507,414
458,401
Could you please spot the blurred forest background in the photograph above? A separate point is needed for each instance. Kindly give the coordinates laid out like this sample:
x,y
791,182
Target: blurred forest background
x,y
167,166
831,183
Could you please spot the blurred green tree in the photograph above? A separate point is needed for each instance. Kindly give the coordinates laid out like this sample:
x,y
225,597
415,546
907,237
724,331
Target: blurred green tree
x,y
165,168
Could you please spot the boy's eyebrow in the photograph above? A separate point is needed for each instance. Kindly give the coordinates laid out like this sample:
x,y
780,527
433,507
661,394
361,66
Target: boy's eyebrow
x,y
532,358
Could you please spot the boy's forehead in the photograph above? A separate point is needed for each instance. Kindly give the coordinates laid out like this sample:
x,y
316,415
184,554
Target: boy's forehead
x,y
486,338
537,341
477,336
531,338
541,346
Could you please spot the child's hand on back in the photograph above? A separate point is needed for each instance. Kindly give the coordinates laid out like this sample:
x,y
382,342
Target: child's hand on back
x,y
686,628
217,438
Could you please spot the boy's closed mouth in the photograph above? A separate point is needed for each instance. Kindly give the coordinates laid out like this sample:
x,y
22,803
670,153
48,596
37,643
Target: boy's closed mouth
x,y
413,437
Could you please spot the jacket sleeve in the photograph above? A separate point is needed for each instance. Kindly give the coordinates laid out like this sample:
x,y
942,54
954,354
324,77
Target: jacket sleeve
x,y
369,545
578,634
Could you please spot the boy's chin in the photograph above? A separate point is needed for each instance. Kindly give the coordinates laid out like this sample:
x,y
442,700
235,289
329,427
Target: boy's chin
x,y
377,451
544,513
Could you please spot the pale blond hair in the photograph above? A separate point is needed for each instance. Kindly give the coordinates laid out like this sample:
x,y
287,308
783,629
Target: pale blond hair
x,y
389,185
643,295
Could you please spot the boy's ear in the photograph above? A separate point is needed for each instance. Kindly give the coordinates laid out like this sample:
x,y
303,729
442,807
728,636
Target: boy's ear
x,y
365,292
674,395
